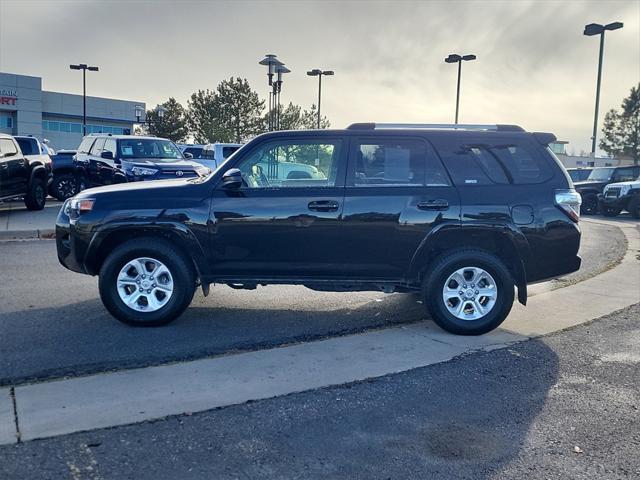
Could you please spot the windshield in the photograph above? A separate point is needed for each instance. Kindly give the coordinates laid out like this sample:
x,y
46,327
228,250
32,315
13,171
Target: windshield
x,y
162,150
600,174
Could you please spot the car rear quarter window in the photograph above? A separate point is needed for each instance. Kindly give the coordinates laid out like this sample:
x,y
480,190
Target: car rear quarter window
x,y
523,162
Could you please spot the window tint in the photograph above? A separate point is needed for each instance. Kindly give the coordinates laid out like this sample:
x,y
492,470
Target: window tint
x,y
197,152
97,147
158,149
624,175
29,146
209,154
110,146
293,163
7,147
85,145
523,163
490,164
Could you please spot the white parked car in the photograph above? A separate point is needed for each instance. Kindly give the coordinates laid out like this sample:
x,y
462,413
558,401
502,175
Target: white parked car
x,y
620,196
214,154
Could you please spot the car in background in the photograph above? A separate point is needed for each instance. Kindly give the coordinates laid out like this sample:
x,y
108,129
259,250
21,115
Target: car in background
x,y
105,159
193,149
214,154
598,179
64,184
35,151
579,174
21,175
617,197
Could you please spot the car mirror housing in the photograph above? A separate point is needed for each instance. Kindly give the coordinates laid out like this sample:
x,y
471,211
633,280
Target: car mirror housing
x,y
232,179
108,155
188,155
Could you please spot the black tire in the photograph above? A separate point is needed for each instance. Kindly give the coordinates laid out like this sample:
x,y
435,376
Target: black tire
x,y
64,186
610,211
434,284
36,197
589,204
180,267
634,206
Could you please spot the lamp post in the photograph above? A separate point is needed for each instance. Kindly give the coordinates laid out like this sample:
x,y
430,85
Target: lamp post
x,y
455,58
84,67
591,30
271,62
316,72
280,70
139,112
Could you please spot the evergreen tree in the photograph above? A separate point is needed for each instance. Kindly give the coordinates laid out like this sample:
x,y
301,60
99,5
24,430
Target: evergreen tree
x,y
621,130
172,126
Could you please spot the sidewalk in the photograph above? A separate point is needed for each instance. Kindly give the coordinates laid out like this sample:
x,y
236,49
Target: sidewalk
x,y
18,223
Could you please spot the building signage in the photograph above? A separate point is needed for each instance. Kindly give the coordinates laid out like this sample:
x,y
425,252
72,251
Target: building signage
x,y
8,96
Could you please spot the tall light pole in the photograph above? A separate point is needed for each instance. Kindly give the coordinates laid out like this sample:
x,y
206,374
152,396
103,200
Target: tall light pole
x,y
84,67
591,30
455,58
271,62
280,70
316,72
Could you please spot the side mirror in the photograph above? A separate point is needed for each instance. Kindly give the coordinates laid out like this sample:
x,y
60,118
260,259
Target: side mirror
x,y
187,155
232,179
108,155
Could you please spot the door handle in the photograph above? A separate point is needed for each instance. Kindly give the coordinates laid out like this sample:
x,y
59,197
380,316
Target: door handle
x,y
323,206
439,204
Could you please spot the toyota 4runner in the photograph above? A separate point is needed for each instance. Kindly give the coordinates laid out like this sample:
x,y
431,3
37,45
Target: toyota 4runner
x,y
463,215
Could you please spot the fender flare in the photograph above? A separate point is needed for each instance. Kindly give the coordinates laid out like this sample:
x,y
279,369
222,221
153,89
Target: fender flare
x,y
174,232
37,171
446,236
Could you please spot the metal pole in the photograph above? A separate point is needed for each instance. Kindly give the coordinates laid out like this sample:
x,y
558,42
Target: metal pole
x,y
595,116
319,97
458,89
84,101
270,112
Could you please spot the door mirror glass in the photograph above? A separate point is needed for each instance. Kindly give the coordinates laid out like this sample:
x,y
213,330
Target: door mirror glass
x,y
188,155
232,178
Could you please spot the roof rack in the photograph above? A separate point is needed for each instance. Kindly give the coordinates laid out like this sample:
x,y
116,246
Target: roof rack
x,y
434,126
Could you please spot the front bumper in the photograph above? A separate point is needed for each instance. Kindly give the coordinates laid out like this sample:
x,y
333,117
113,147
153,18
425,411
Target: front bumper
x,y
69,248
614,202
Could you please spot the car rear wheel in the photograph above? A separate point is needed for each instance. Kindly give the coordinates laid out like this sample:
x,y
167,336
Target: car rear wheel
x,y
36,196
634,206
64,187
589,204
469,292
145,282
611,211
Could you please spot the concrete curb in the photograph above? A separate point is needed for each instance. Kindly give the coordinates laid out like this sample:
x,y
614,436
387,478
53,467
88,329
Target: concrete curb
x,y
15,235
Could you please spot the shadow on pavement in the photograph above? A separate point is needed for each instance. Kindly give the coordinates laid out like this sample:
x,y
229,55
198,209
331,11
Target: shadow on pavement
x,y
83,338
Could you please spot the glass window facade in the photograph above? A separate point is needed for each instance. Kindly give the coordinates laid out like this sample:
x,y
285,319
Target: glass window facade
x,y
76,127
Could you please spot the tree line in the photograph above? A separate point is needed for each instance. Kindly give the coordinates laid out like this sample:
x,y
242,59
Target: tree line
x,y
232,113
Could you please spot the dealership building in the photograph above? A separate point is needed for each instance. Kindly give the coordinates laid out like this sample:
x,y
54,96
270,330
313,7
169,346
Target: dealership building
x,y
26,109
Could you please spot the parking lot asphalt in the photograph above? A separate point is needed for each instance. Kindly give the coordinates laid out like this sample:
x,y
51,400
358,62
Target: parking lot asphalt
x,y
52,323
561,406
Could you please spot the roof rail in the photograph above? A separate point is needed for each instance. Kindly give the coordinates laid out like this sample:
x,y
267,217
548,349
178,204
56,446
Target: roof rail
x,y
433,126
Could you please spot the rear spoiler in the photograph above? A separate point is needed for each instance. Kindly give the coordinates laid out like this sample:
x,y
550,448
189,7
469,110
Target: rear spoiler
x,y
544,138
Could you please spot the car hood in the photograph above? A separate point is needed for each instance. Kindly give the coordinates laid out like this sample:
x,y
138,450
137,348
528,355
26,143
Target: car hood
x,y
123,188
633,183
152,163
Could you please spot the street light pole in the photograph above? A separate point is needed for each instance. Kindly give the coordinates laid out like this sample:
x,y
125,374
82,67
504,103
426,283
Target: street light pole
x,y
455,58
271,62
279,70
591,30
316,72
84,67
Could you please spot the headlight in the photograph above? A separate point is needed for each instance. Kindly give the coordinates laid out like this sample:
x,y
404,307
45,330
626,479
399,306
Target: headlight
x,y
78,206
624,189
142,171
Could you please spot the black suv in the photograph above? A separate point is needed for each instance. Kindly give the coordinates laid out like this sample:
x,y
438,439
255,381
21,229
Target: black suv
x,y
599,178
460,214
104,159
21,175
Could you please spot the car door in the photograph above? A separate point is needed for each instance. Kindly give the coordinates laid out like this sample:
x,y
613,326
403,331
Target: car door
x,y
277,225
14,168
396,192
95,167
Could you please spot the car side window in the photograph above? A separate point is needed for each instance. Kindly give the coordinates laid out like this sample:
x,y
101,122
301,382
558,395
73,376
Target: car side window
x,y
624,175
292,163
96,150
7,147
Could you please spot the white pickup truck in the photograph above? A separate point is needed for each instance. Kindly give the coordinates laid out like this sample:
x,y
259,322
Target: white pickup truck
x,y
620,196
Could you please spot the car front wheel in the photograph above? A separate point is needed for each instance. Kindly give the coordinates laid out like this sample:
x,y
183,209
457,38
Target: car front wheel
x,y
36,196
64,186
145,282
469,292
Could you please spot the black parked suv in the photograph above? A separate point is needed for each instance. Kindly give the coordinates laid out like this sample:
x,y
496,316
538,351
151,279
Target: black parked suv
x,y
460,214
21,175
598,179
105,159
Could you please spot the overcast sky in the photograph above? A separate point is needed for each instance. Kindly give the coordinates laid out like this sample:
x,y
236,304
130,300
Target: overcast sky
x,y
534,66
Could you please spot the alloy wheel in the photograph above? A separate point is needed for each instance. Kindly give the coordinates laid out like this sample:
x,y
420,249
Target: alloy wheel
x,y
145,284
470,293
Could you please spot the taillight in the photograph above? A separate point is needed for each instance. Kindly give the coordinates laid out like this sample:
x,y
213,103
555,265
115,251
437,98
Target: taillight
x,y
569,202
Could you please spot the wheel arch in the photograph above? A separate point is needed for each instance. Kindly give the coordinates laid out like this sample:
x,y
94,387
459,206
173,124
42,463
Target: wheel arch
x,y
108,238
38,172
506,243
